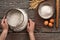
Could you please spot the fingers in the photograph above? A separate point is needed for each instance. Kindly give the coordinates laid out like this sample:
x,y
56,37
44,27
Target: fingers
x,y
4,17
6,21
3,20
28,25
31,22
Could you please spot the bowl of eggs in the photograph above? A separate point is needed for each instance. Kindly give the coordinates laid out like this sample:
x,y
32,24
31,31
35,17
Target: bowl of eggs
x,y
45,10
17,19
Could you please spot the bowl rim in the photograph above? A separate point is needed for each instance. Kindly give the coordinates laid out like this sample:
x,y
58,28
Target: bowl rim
x,y
43,4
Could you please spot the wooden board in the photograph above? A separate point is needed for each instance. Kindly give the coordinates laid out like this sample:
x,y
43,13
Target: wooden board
x,y
7,4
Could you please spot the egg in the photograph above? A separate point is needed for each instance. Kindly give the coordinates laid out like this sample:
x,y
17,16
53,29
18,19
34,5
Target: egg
x,y
45,22
52,20
50,25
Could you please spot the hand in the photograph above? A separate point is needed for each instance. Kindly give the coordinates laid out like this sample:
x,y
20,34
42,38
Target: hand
x,y
30,26
4,24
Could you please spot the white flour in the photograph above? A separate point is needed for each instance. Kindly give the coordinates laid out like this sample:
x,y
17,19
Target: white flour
x,y
46,10
15,19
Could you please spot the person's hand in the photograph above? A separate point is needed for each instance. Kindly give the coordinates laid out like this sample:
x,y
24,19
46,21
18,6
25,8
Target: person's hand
x,y
30,26
30,29
4,24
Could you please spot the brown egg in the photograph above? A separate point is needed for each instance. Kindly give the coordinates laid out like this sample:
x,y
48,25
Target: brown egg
x,y
45,22
52,20
50,25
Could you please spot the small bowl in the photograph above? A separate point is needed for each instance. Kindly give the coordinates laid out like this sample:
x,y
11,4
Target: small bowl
x,y
45,10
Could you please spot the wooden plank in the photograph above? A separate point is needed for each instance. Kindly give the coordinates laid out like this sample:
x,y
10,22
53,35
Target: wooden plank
x,y
38,36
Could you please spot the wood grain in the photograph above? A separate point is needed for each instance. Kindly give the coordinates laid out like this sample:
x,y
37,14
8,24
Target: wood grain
x,y
57,12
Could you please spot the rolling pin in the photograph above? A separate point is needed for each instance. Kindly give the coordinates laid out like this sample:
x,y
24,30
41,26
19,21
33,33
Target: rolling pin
x,y
57,13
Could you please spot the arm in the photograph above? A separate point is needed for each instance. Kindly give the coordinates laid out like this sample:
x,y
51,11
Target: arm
x,y
3,35
30,29
5,29
31,35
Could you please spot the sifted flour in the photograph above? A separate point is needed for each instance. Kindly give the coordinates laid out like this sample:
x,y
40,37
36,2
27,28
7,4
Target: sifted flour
x,y
46,10
15,19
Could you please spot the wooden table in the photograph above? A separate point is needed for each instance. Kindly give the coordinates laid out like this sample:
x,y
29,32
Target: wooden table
x,y
41,32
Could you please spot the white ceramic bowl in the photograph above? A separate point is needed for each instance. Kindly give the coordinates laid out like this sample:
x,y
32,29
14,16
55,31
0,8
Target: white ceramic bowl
x,y
17,19
45,11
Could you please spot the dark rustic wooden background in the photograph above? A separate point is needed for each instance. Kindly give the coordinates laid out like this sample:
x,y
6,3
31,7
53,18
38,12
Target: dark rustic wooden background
x,y
41,32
